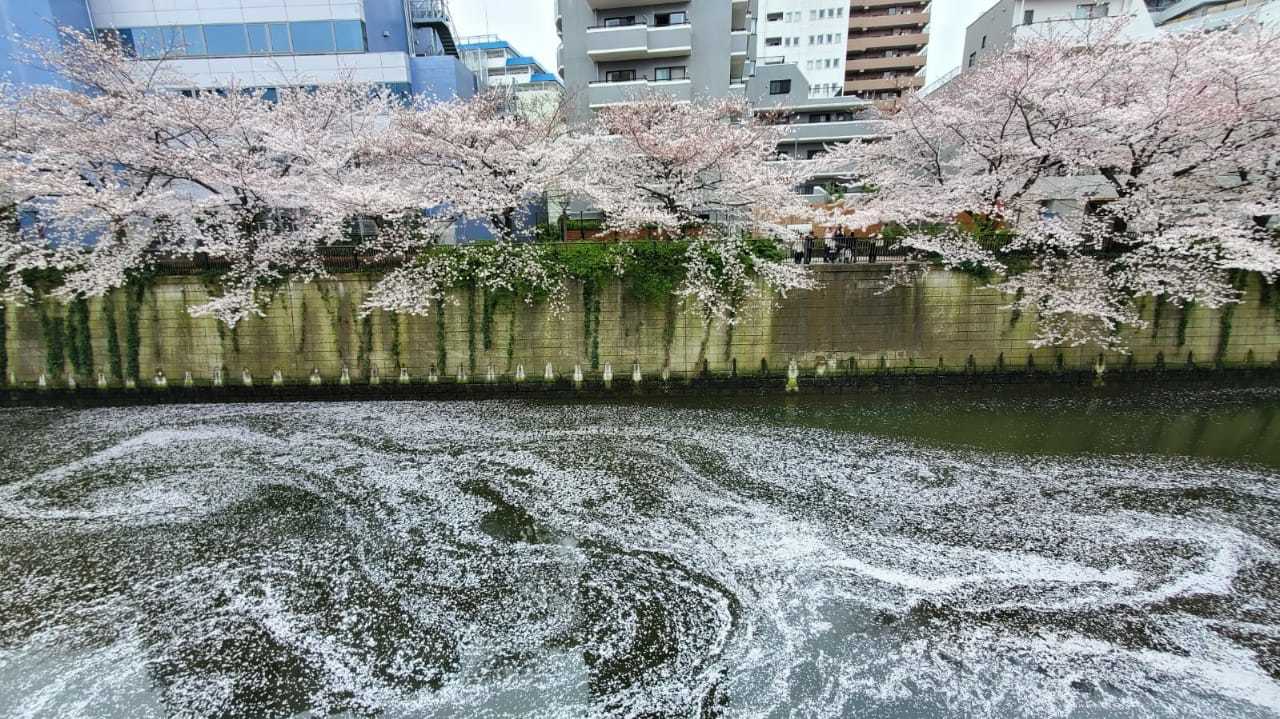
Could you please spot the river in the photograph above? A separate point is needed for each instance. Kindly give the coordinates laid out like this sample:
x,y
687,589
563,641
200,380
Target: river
x,y
1044,552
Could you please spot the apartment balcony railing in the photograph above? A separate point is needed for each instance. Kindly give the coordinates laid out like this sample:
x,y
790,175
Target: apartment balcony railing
x,y
1075,30
864,22
858,5
886,63
904,82
612,4
635,42
802,132
869,42
606,93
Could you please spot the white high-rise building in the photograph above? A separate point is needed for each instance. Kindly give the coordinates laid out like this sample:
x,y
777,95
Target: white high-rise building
x,y
811,34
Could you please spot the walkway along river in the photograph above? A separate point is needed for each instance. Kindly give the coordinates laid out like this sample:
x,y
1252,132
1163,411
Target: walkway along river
x,y
1046,553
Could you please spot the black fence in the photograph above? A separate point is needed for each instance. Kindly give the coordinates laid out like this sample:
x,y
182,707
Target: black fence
x,y
848,250
336,258
353,258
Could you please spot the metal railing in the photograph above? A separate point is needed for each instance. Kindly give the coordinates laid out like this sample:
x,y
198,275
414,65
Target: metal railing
x,y
428,10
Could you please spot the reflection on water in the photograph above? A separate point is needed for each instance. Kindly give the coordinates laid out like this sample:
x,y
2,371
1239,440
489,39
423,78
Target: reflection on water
x,y
890,556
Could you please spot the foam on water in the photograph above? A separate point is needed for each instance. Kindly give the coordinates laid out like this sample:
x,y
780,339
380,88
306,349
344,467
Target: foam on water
x,y
506,560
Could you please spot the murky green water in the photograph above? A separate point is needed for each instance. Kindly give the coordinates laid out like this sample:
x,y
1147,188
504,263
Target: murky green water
x,y
1046,553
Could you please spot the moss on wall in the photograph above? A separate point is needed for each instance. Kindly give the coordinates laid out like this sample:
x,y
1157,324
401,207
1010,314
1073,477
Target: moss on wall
x,y
134,295
51,325
79,343
4,344
115,361
442,348
947,322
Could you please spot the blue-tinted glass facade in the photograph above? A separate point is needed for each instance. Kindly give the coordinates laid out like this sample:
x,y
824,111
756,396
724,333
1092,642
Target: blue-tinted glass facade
x,y
312,37
226,40
294,38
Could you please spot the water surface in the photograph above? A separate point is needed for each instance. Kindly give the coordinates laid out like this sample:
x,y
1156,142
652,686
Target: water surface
x,y
1062,554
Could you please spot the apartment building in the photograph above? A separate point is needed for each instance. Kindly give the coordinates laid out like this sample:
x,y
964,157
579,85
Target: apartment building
x,y
810,34
407,45
612,49
1011,21
1184,15
885,54
497,64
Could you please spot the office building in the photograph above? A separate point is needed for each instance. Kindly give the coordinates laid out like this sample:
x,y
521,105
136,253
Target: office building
x,y
405,44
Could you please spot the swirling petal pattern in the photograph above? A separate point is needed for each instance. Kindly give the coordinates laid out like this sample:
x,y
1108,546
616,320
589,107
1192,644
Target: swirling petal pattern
x,y
499,559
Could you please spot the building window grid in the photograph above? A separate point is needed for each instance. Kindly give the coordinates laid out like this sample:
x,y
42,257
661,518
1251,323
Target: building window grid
x,y
321,37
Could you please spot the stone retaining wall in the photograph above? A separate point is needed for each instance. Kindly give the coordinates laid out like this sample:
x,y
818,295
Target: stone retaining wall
x,y
947,322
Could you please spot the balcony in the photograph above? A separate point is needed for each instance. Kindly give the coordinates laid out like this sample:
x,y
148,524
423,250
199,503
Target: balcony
x,y
611,4
739,42
869,4
887,63
905,82
635,42
1082,31
604,94
831,131
864,42
866,22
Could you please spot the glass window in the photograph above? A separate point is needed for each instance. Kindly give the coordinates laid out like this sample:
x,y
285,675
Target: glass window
x,y
155,42
312,37
258,43
620,21
191,41
120,38
779,87
619,75
349,35
223,40
279,38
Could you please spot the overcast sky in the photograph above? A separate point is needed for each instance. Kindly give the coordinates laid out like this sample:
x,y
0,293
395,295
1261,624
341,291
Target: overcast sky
x,y
529,25
947,21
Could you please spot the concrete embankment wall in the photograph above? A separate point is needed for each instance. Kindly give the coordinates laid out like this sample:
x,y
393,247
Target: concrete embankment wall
x,y
946,323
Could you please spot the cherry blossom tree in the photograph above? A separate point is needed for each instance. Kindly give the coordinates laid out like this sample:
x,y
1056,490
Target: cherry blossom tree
x,y
1162,152
494,160
123,171
708,171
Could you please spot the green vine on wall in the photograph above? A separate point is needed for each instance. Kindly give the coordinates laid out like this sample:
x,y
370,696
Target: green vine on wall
x,y
489,302
79,342
394,318
1238,281
442,352
511,338
471,329
668,329
1156,313
4,344
114,362
134,293
364,356
1183,319
55,360
591,320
